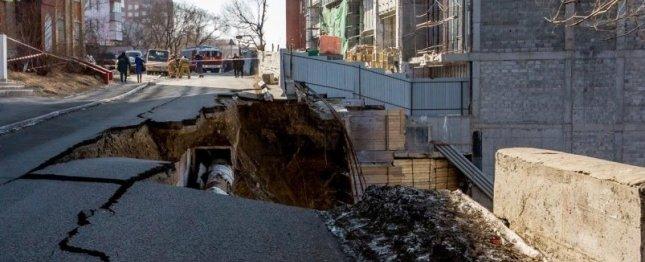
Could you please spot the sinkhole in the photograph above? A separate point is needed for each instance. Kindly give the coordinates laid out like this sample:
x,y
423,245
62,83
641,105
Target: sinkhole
x,y
285,152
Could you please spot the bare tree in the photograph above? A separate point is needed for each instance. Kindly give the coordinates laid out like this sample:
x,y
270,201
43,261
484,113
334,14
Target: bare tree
x,y
173,26
249,17
201,26
601,15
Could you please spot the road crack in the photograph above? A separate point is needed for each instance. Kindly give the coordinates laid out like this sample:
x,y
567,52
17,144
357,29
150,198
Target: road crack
x,y
83,217
156,107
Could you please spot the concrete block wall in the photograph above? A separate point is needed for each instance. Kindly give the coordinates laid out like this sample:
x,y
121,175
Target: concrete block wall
x,y
540,85
521,91
518,26
571,207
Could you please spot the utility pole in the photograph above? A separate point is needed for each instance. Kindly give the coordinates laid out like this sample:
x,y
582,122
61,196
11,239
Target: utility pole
x,y
3,59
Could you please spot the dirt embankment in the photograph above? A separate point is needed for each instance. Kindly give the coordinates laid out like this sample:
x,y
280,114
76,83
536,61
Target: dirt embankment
x,y
294,156
407,224
57,82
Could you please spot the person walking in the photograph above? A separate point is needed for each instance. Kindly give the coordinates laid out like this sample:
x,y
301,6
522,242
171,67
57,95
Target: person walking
x,y
123,65
238,66
199,65
139,65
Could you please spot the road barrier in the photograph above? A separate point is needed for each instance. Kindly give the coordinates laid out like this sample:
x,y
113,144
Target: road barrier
x,y
106,74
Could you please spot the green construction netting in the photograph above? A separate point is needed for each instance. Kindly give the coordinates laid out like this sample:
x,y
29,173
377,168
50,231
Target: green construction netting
x,y
334,22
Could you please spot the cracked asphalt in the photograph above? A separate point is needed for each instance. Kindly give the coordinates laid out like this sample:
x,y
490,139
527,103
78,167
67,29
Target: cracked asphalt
x,y
103,209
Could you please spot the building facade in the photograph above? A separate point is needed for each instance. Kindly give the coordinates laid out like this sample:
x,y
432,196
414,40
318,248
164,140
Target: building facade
x,y
572,89
141,19
296,23
52,25
532,83
103,22
136,9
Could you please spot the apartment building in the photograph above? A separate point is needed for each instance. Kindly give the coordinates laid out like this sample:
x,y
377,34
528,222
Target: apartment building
x,y
103,22
52,25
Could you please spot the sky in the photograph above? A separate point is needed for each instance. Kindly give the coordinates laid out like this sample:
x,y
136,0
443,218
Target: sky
x,y
276,22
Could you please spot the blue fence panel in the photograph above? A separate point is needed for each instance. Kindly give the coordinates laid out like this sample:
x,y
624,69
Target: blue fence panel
x,y
337,78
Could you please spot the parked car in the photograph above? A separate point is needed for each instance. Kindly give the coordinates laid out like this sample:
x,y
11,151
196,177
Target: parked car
x,y
157,61
107,60
131,55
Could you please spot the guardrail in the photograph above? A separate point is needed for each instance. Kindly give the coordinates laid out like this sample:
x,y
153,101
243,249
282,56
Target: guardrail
x,y
338,78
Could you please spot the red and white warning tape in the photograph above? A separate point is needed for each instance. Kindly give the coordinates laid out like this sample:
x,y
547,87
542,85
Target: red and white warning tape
x,y
24,57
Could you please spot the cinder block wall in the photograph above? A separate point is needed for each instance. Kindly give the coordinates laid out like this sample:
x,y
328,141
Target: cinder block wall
x,y
534,87
571,207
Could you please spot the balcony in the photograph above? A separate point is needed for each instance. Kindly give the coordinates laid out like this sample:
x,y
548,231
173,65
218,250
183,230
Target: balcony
x,y
327,3
386,6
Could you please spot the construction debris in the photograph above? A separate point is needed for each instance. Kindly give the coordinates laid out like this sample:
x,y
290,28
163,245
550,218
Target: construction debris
x,y
401,223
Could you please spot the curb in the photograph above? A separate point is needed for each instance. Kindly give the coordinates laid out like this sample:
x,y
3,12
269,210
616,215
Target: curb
x,y
6,129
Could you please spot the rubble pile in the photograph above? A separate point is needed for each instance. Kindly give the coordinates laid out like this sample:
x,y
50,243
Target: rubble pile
x,y
400,223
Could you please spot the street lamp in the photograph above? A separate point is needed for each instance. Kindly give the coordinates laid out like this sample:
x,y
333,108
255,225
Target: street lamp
x,y
239,44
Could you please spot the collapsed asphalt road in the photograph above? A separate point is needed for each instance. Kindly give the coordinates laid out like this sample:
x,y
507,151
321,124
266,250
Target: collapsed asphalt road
x,y
111,208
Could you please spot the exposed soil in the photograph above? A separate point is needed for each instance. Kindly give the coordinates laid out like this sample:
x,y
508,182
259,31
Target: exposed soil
x,y
300,157
57,82
284,152
406,224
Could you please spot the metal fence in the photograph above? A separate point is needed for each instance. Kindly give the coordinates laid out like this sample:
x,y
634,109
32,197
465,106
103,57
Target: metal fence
x,y
337,78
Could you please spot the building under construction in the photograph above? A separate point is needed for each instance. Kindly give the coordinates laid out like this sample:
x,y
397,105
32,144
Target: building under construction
x,y
406,35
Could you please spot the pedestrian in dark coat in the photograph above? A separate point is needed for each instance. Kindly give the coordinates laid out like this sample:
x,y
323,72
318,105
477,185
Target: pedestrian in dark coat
x,y
199,65
123,65
238,66
139,67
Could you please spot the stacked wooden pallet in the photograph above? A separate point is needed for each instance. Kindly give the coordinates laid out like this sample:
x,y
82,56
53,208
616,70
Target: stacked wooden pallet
x,y
427,173
422,173
381,174
377,135
376,130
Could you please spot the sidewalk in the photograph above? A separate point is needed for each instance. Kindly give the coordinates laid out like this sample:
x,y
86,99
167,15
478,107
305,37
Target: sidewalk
x,y
21,108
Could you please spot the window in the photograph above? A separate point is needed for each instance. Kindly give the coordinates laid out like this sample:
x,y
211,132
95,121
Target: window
x,y
49,33
60,29
116,7
77,38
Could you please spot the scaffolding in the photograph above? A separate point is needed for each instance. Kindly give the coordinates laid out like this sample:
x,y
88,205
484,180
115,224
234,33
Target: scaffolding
x,y
443,23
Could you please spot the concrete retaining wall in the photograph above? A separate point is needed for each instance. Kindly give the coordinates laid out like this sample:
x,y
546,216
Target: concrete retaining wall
x,y
572,208
269,63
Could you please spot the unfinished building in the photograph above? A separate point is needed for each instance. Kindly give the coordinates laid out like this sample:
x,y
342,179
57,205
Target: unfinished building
x,y
523,80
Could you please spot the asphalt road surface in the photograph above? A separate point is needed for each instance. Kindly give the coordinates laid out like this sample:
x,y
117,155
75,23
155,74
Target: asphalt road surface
x,y
102,209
